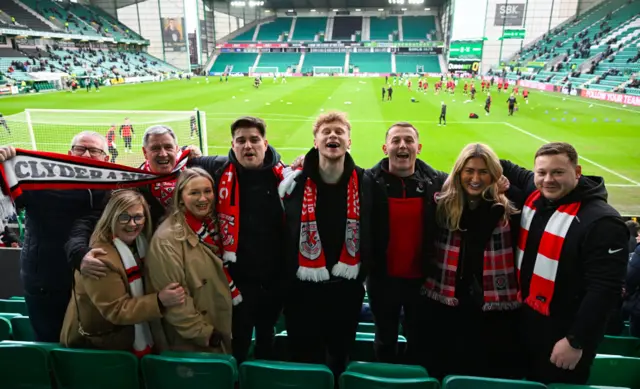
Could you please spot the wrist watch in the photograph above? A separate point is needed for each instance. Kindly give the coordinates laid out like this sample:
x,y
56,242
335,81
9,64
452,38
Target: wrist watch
x,y
573,342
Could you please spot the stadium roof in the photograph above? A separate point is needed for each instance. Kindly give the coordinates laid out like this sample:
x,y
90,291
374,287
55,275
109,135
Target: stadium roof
x,y
108,4
343,4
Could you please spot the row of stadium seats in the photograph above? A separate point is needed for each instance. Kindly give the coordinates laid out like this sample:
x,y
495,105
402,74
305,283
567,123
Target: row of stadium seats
x,y
344,28
83,19
366,62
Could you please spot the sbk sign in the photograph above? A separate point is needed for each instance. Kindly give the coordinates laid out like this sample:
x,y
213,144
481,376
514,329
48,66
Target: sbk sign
x,y
509,14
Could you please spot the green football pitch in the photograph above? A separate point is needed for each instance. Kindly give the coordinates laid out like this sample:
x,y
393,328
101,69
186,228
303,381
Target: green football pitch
x,y
607,136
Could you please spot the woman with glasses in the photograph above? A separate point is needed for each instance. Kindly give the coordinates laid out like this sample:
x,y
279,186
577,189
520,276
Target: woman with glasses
x,y
113,312
184,250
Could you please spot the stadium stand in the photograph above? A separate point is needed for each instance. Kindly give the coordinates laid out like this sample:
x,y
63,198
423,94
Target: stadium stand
x,y
246,36
344,28
118,26
418,27
322,59
280,60
23,18
409,63
234,62
308,29
383,28
275,30
371,62
60,16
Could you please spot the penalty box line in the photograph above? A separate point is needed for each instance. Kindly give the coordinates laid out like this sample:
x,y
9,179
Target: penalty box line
x,y
582,157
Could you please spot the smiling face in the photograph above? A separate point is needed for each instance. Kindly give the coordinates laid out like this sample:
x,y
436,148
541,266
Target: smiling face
x,y
197,197
249,147
332,139
556,176
161,152
130,224
402,147
475,177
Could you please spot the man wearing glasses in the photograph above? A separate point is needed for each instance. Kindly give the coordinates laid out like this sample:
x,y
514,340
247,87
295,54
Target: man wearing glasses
x,y
45,272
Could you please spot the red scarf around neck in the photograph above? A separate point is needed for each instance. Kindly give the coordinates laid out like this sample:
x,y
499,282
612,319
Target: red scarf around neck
x,y
162,191
311,260
543,279
206,232
228,208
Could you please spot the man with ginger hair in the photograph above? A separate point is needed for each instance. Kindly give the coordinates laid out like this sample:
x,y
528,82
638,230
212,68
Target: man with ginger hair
x,y
327,247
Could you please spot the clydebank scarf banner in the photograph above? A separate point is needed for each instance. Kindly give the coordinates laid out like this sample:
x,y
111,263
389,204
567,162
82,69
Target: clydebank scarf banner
x,y
38,170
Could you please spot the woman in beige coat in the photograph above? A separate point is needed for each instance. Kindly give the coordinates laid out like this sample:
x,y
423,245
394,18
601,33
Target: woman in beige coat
x,y
184,251
113,312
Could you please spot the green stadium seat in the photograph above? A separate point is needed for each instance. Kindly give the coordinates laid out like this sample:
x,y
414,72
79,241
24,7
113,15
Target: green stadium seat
x,y
387,370
281,375
13,306
367,327
43,345
620,345
24,367
5,328
163,372
363,347
463,382
22,329
351,380
95,369
18,298
197,355
612,370
570,386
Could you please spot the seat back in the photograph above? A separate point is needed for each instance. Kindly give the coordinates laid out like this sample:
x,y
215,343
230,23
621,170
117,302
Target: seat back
x,y
351,380
96,369
164,372
24,367
613,370
280,375
387,370
203,355
22,329
464,382
620,345
5,328
14,306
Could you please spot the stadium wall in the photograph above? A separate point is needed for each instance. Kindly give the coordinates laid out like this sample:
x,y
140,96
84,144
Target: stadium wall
x,y
537,17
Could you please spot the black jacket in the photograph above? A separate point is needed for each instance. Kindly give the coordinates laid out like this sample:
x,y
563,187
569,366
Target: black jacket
x,y
50,216
425,182
260,240
77,245
331,212
592,265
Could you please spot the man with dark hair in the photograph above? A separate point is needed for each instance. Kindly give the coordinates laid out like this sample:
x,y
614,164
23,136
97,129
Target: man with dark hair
x,y
571,260
250,219
633,227
443,114
512,104
404,223
328,242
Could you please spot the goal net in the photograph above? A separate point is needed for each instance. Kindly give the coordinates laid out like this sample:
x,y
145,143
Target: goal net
x,y
327,70
53,129
263,70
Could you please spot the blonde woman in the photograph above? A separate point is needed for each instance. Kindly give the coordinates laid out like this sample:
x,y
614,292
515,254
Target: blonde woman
x,y
113,312
471,290
184,250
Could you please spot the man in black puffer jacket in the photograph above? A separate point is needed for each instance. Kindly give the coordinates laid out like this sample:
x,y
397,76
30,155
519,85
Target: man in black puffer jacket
x,y
46,276
328,246
572,259
404,224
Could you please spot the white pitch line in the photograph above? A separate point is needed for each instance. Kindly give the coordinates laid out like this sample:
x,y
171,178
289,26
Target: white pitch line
x,y
581,156
622,185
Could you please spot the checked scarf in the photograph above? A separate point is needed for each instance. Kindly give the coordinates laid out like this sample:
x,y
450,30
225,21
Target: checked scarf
x,y
500,291
543,280
206,232
311,260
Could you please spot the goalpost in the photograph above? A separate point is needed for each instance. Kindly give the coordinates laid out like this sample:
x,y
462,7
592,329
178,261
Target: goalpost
x,y
327,70
263,70
53,129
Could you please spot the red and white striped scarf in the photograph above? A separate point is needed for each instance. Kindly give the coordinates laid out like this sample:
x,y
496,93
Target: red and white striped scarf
x,y
143,340
548,256
208,235
500,289
162,191
311,260
228,208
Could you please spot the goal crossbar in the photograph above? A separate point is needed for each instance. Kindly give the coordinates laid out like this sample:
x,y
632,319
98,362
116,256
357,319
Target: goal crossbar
x,y
327,69
263,69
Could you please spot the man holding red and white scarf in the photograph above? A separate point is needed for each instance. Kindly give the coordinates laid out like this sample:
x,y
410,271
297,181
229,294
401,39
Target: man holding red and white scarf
x,y
571,262
160,148
250,224
328,243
